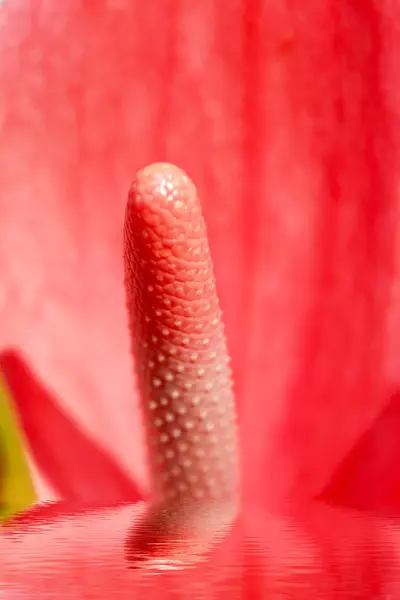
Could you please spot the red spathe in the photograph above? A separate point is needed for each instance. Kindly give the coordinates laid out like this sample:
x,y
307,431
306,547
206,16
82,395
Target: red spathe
x,y
286,118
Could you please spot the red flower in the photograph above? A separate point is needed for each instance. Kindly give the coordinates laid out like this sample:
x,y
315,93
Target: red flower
x,y
286,119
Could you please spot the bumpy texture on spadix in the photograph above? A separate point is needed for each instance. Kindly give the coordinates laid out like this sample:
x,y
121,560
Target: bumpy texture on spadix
x,y
181,361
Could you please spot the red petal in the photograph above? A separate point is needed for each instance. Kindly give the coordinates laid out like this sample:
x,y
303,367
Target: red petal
x,y
320,358
367,478
87,474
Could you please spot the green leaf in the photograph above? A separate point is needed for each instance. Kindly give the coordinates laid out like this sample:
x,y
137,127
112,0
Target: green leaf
x,y
17,491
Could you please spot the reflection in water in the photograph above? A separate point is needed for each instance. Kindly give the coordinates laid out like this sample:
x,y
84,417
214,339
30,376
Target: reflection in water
x,y
315,552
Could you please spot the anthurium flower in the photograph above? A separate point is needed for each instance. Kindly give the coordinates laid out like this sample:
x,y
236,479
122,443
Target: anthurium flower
x,y
286,119
189,415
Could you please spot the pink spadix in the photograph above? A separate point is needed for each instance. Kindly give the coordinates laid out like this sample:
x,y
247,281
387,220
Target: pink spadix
x,y
182,368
